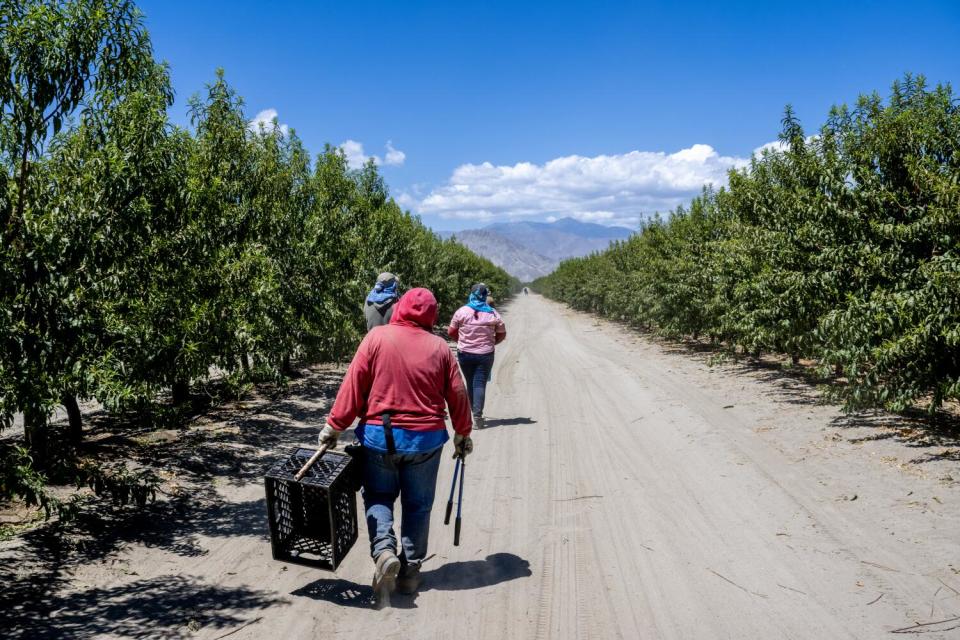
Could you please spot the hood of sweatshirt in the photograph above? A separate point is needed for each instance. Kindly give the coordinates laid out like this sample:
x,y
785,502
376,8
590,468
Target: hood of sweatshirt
x,y
417,308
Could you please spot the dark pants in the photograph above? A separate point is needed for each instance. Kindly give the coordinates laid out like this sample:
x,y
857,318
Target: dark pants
x,y
413,478
476,369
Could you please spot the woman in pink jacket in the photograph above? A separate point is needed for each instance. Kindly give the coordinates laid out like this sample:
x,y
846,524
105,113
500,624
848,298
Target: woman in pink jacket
x,y
477,328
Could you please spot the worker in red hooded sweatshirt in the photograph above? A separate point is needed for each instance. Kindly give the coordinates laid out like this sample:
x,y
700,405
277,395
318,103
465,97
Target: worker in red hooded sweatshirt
x,y
399,384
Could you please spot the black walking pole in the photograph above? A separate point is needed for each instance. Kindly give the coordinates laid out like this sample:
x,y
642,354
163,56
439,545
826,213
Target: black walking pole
x,y
453,485
456,526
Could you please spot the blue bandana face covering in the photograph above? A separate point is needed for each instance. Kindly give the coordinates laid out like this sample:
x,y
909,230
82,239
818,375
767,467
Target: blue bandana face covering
x,y
478,300
383,292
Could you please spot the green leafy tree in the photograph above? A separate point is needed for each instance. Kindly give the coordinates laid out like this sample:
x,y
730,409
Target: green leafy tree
x,y
102,211
840,247
53,55
137,257
895,336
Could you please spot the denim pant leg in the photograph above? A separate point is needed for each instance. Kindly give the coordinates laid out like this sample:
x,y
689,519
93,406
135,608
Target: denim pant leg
x,y
476,369
381,486
480,377
469,368
418,486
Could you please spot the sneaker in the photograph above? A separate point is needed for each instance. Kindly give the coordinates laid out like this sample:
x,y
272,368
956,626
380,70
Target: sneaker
x,y
409,580
385,577
478,422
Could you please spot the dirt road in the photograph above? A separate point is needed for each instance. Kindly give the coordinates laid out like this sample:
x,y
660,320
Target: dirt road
x,y
623,489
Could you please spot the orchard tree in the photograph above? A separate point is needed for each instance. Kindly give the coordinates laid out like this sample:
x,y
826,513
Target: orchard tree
x,y
53,55
102,214
841,247
896,335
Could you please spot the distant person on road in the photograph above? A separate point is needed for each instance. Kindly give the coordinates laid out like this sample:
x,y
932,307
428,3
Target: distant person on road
x,y
525,291
477,328
399,384
379,304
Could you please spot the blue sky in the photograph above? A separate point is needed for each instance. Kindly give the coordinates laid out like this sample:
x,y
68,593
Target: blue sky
x,y
605,111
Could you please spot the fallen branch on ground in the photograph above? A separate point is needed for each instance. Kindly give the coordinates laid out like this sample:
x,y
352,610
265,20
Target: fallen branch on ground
x,y
745,590
916,628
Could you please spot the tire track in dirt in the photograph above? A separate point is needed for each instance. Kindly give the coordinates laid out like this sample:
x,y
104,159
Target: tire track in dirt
x,y
823,520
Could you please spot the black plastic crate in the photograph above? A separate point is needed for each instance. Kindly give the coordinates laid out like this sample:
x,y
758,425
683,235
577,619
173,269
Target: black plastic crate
x,y
313,521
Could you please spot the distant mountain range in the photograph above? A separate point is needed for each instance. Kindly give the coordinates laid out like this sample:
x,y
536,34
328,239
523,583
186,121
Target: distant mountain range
x,y
528,250
516,259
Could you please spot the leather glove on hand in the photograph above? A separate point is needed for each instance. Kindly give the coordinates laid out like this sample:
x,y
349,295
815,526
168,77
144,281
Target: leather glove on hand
x,y
328,436
462,446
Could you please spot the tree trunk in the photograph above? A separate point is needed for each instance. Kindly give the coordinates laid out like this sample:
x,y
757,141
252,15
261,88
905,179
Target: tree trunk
x,y
245,363
35,436
181,392
286,364
17,218
75,431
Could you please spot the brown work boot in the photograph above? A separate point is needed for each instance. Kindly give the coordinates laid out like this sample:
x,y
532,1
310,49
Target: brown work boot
x,y
385,577
409,580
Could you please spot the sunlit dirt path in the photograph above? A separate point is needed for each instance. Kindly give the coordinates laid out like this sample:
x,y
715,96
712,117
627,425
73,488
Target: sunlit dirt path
x,y
623,489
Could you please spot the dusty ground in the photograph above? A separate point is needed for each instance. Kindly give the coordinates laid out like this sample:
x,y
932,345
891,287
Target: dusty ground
x,y
623,489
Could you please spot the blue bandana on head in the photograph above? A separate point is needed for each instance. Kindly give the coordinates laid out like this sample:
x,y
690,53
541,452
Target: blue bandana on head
x,y
383,292
478,300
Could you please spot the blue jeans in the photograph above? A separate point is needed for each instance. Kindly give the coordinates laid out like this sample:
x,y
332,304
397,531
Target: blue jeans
x,y
476,369
413,478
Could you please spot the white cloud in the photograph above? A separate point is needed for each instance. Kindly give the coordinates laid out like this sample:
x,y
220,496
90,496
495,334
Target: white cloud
x,y
777,146
353,150
394,156
263,121
406,200
609,189
356,157
603,217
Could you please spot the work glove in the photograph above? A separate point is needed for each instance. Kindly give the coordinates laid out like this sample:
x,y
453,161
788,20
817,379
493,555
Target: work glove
x,y
462,446
328,436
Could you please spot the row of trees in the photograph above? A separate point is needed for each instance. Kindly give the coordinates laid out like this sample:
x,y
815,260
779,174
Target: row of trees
x,y
842,247
135,256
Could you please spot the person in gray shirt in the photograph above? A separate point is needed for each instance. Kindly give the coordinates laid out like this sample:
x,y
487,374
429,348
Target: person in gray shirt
x,y
378,308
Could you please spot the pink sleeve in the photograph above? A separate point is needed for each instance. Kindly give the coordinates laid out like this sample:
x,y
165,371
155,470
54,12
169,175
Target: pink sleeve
x,y
456,397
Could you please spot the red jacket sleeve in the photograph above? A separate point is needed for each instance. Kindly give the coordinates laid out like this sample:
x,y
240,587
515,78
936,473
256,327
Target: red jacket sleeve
x,y
352,396
457,399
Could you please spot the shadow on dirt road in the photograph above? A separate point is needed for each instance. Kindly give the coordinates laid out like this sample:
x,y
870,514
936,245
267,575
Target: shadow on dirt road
x,y
208,466
168,607
453,576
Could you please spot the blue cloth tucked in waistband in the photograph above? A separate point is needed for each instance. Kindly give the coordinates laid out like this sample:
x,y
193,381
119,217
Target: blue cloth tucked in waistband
x,y
405,440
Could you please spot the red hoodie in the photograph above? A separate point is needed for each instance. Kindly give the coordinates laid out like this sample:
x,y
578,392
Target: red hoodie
x,y
406,370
